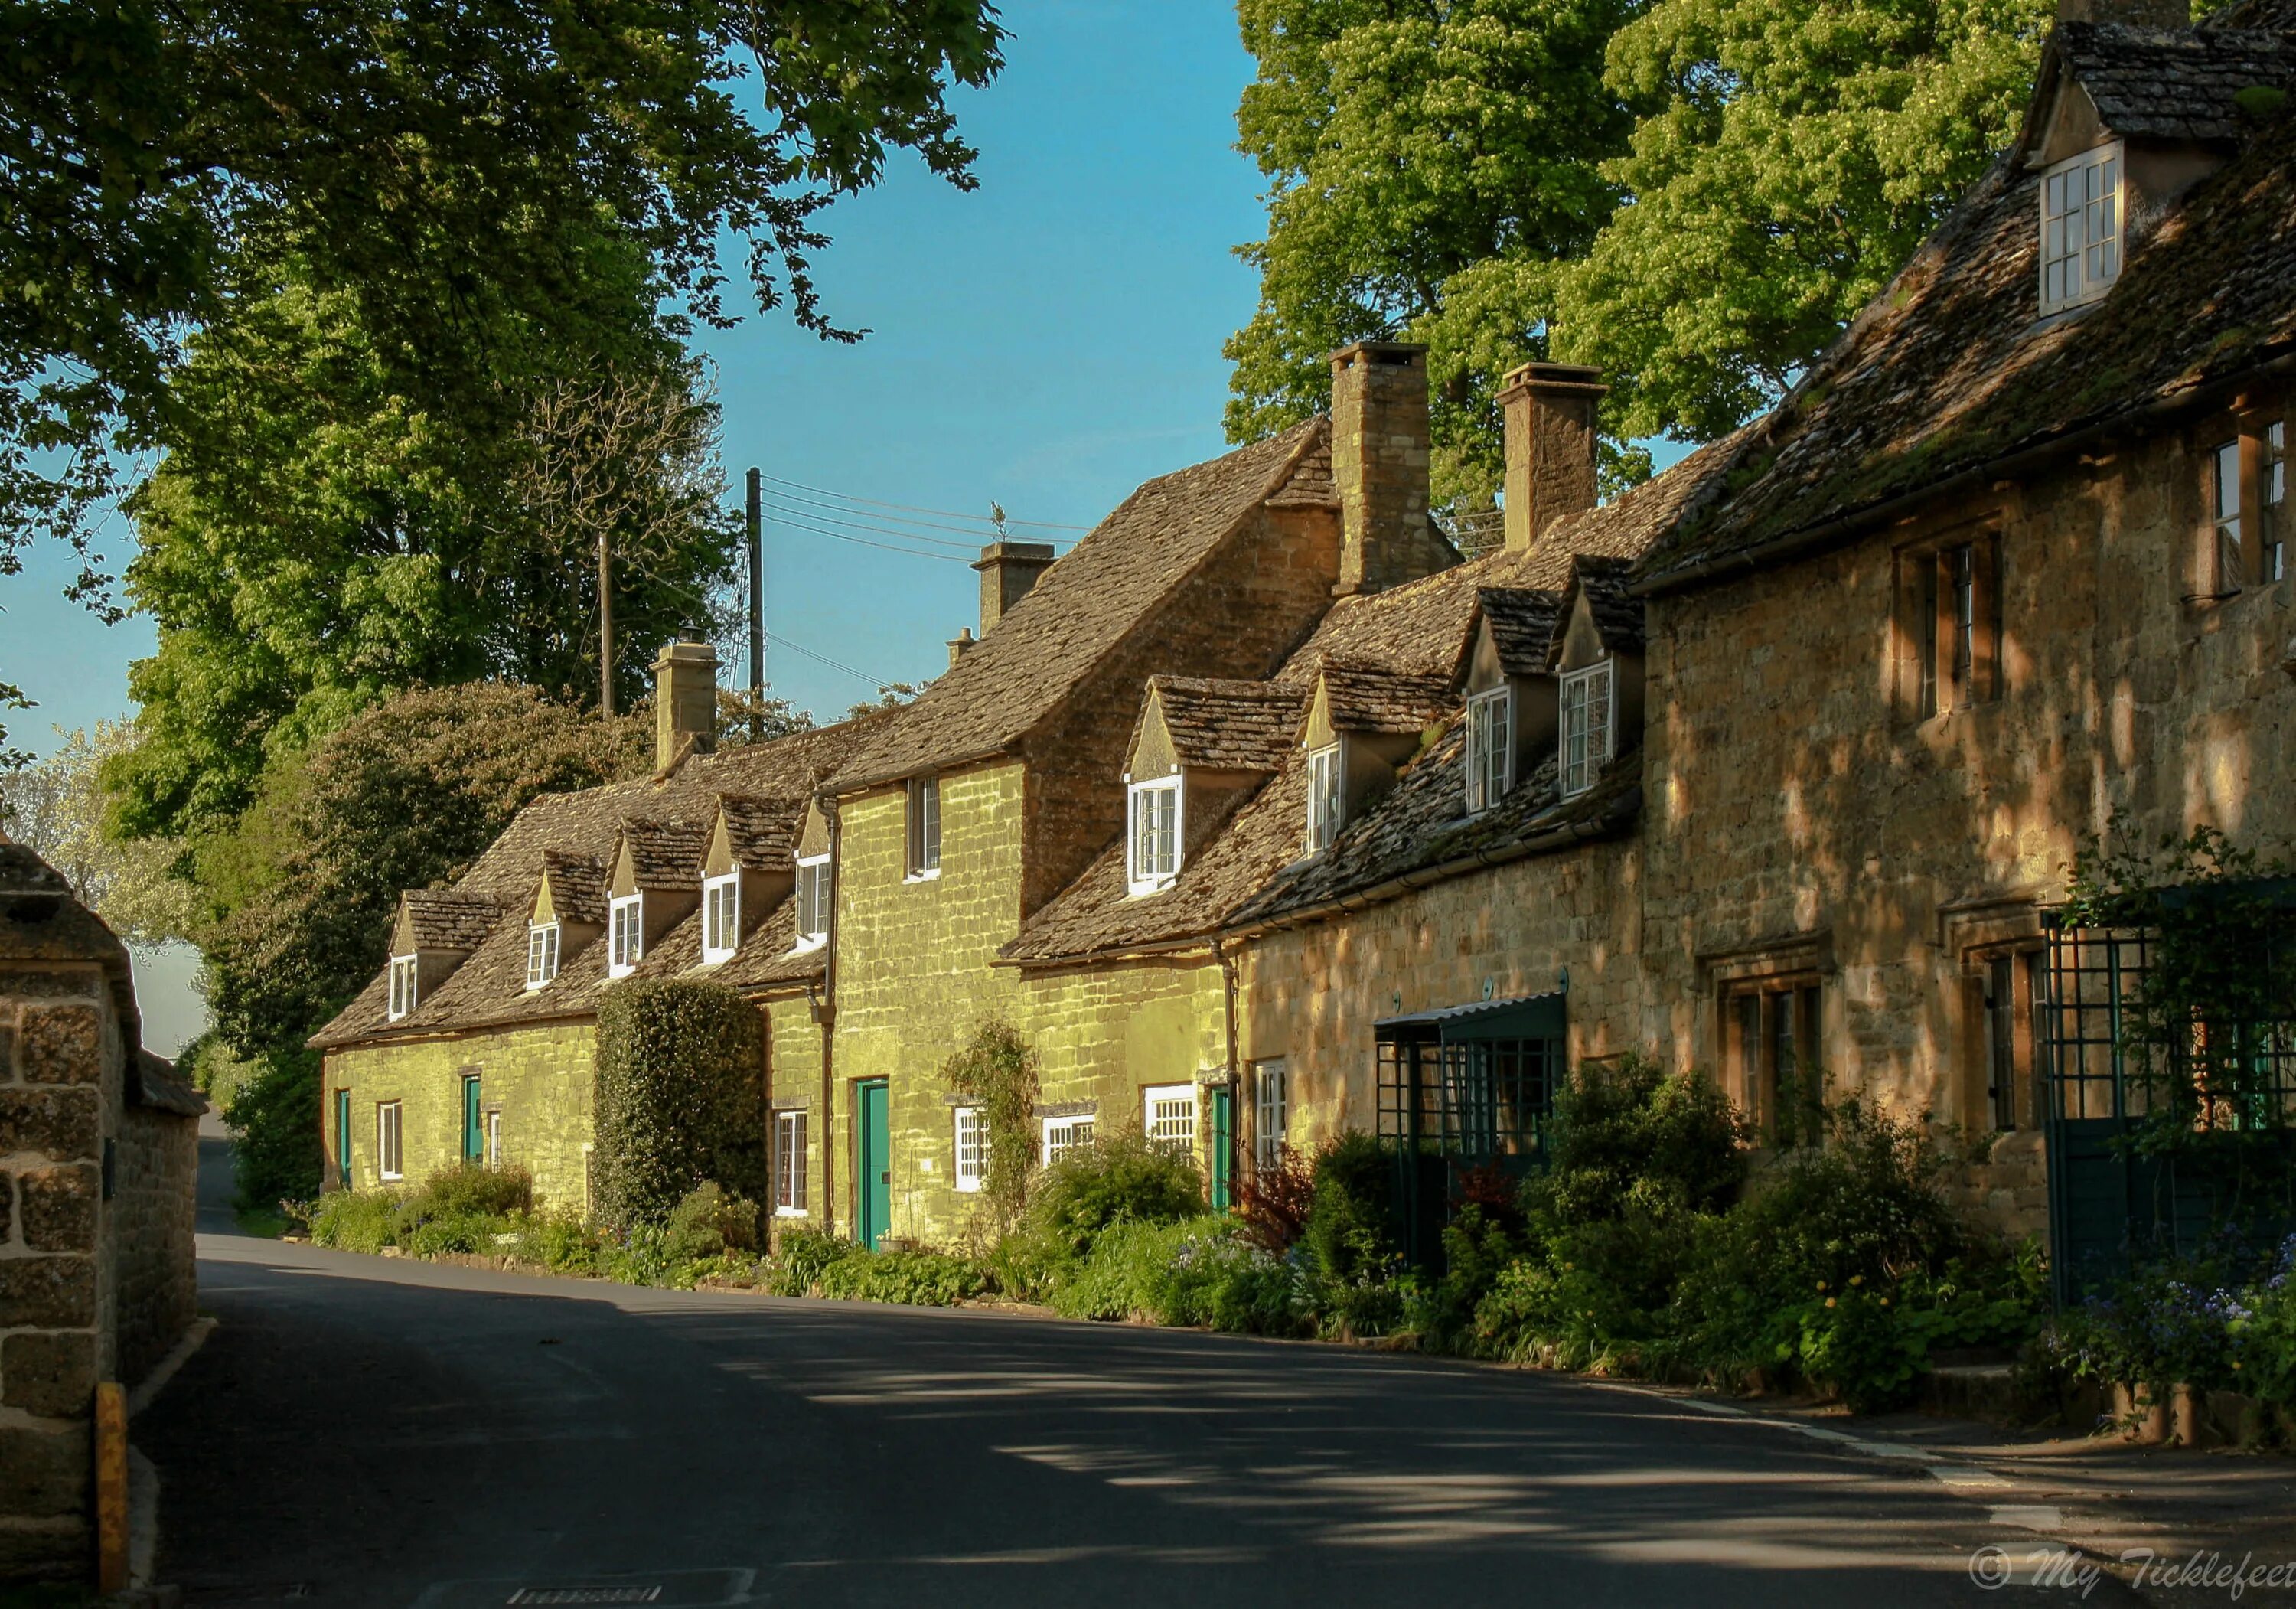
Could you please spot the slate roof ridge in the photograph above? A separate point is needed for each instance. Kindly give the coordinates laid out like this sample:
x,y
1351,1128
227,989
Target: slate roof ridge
x,y
993,698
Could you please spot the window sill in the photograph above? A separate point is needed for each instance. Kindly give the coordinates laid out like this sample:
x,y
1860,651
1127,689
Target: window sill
x,y
1149,891
792,1212
963,1188
807,944
613,972
717,957
931,875
391,1178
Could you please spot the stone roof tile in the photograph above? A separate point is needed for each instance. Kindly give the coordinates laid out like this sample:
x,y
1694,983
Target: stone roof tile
x,y
2173,84
450,919
1217,725
1364,698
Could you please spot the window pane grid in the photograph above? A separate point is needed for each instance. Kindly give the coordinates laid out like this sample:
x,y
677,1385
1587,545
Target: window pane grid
x,y
2080,228
1271,1113
1323,776
1064,1135
2224,507
971,1148
389,1158
789,1162
2273,537
1155,835
1586,726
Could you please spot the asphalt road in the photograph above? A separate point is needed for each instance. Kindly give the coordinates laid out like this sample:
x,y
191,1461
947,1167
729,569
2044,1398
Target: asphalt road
x,y
363,1431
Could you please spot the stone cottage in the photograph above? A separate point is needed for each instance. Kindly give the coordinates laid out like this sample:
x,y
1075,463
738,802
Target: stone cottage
x,y
1261,815
99,1156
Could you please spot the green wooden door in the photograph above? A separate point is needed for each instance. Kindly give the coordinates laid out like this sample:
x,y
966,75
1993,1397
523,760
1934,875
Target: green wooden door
x,y
343,1138
1223,1148
875,1171
474,1123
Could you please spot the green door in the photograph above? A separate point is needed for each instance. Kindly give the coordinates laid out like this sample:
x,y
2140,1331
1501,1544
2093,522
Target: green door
x,y
343,1138
875,1172
1223,1148
474,1123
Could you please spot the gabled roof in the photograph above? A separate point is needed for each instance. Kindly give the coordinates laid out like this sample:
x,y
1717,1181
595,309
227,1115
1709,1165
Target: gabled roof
x,y
577,887
2162,83
1364,698
570,831
1521,621
446,918
1253,869
1224,726
1617,616
762,833
1950,372
1083,610
662,854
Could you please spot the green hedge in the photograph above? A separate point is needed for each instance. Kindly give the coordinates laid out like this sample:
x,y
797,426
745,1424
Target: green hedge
x,y
681,1098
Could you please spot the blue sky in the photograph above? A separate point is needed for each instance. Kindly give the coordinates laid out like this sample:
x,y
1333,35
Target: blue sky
x,y
1048,341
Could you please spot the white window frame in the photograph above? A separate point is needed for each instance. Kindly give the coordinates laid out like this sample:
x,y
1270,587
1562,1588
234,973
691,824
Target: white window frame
x,y
1169,1128
390,1141
2225,511
721,930
789,1160
1271,1113
2083,221
1063,1135
1584,692
2272,518
1326,796
625,935
924,827
1490,748
813,913
1152,841
970,1126
542,941
494,1136
406,986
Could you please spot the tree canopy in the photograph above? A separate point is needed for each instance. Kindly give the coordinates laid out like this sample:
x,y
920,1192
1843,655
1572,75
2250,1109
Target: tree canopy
x,y
145,147
1696,195
345,510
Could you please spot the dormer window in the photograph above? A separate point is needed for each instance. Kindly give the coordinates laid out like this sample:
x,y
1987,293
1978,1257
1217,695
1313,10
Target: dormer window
x,y
1589,729
812,901
402,985
541,953
1325,798
1155,835
2081,221
721,917
625,935
1490,748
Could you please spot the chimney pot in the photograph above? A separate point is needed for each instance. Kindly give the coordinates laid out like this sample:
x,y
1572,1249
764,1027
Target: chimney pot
x,y
1550,445
684,700
1380,454
957,645
1008,570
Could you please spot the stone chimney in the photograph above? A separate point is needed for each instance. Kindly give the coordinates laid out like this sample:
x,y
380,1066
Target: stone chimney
x,y
1007,570
2144,13
684,700
1379,463
1550,445
957,645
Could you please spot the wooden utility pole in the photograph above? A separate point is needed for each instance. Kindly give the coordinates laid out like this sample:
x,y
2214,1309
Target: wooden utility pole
x,y
605,626
757,607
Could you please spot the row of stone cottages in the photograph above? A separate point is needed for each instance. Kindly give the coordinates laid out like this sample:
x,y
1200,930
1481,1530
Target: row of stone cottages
x,y
1259,811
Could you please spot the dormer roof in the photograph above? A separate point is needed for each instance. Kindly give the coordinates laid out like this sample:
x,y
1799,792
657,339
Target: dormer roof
x,y
2157,83
577,887
757,834
441,919
1200,723
1615,614
1365,699
653,854
1520,620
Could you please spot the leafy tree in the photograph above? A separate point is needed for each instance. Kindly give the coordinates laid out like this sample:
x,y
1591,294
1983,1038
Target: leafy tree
x,y
681,1097
1789,156
407,795
54,807
342,514
1431,164
147,145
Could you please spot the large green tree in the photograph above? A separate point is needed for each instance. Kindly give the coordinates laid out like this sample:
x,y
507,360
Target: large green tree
x,y
1429,164
1788,157
343,512
1695,194
424,161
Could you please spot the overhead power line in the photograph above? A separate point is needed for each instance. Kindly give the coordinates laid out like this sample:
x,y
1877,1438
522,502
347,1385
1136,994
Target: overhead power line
x,y
844,513
912,508
792,513
917,553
